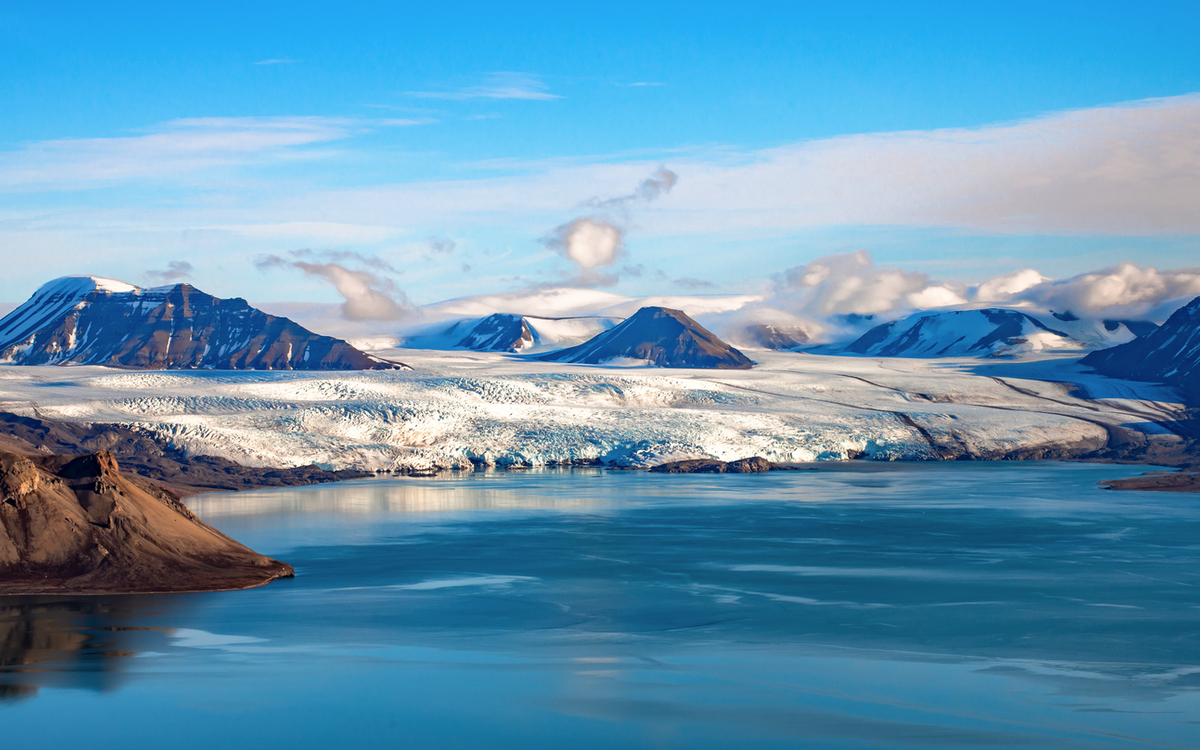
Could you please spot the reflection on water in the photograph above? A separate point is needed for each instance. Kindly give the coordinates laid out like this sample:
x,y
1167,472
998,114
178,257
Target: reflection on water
x,y
51,642
944,605
440,494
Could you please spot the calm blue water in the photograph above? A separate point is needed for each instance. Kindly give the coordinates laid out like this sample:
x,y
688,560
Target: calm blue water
x,y
940,605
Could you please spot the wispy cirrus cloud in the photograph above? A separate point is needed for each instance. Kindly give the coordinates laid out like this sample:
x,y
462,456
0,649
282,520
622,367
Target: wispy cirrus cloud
x,y
278,61
499,85
177,148
176,270
1131,169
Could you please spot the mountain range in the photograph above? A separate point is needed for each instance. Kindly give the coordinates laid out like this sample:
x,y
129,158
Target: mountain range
x,y
86,320
992,332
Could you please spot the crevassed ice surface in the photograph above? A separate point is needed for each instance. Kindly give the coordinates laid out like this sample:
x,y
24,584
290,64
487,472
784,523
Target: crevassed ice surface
x,y
462,407
876,605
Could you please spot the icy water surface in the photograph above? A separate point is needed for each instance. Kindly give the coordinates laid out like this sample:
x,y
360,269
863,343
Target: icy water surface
x,y
940,605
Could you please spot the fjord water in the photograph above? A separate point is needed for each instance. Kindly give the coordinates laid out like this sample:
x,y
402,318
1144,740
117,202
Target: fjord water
x,y
936,605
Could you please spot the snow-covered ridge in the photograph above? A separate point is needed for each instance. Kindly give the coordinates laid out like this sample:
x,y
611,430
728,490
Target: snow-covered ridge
x,y
1170,354
990,332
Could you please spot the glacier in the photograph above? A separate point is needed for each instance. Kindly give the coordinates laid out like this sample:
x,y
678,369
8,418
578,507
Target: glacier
x,y
464,409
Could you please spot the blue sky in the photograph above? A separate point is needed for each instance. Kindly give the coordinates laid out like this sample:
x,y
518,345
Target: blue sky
x,y
213,135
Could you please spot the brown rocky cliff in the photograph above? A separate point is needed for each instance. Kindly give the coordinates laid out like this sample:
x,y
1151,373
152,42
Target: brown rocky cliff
x,y
75,524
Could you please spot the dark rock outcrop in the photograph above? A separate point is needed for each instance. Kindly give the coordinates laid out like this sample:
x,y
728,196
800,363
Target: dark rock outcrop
x,y
153,459
75,524
88,321
1169,354
755,465
661,336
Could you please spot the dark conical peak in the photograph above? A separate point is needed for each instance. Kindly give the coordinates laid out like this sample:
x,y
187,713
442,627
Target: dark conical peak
x,y
660,336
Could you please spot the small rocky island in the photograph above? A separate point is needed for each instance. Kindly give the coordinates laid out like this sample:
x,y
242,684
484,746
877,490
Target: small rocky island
x,y
77,525
754,465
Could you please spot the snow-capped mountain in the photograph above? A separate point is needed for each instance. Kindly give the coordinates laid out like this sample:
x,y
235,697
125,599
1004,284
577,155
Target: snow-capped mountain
x,y
964,333
86,320
1170,354
658,336
501,332
506,332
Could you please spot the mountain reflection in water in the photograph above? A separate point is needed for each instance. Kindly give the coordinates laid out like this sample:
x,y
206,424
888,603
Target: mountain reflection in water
x,y
62,643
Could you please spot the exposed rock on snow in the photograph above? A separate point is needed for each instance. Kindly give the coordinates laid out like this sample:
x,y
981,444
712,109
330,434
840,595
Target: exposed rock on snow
x,y
87,320
658,336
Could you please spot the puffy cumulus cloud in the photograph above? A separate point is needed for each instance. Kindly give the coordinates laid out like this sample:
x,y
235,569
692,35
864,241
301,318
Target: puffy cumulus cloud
x,y
597,240
368,294
176,270
1124,290
589,241
851,284
1002,288
939,295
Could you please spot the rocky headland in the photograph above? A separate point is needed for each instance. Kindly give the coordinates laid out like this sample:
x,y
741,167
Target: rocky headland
x,y
77,525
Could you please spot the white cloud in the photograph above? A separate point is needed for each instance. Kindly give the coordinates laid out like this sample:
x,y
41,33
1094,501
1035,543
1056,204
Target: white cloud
x,y
368,294
1002,288
176,148
589,242
314,232
598,240
540,302
1131,169
851,284
499,85
1124,290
